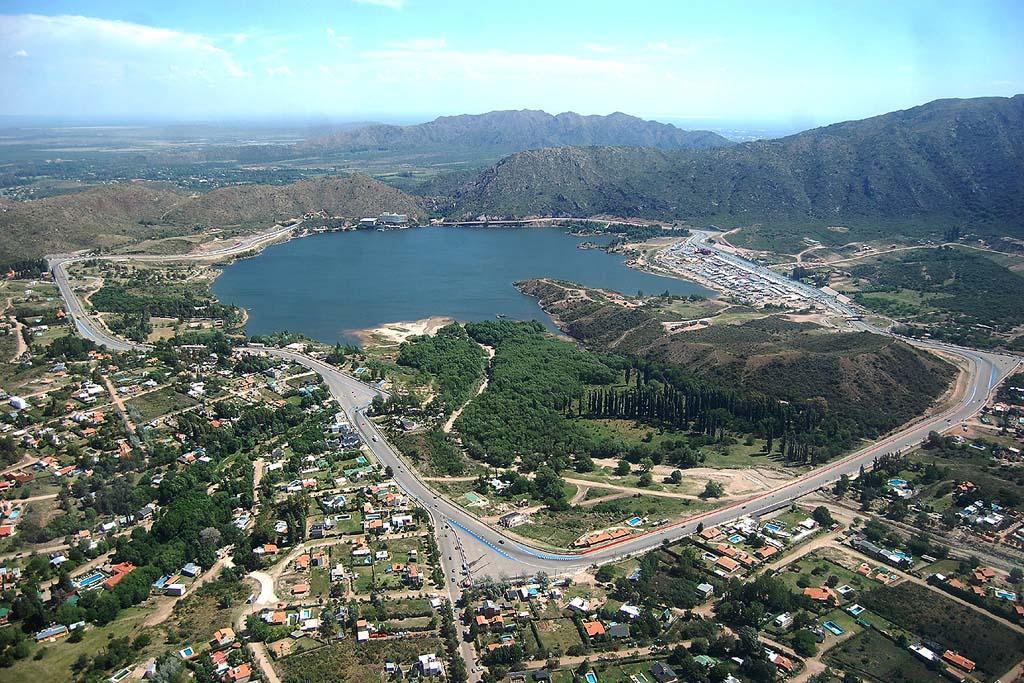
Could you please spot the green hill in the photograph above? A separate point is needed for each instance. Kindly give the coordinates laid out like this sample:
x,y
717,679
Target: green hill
x,y
872,381
112,215
952,160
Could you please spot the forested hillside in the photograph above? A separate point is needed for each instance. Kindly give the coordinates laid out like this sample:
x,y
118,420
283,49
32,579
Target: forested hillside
x,y
954,160
867,383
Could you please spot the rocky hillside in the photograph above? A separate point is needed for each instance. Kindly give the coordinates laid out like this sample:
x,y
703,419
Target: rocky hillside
x,y
876,381
959,159
520,130
117,214
352,196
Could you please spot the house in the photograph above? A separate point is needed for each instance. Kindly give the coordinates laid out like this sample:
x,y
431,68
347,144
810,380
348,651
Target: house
x,y
823,594
618,631
219,659
175,590
958,661
924,654
630,611
765,552
513,519
191,570
119,571
429,665
300,589
413,577
593,628
663,673
783,621
705,590
784,664
52,633
581,605
238,674
281,648
984,574
727,564
222,637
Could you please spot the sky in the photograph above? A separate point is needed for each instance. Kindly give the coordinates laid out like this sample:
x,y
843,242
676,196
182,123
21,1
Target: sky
x,y
799,63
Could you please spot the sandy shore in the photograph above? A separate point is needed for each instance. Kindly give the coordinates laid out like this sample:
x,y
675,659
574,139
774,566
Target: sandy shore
x,y
398,332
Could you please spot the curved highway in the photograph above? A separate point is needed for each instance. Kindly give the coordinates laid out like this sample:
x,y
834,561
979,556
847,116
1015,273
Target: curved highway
x,y
470,547
500,555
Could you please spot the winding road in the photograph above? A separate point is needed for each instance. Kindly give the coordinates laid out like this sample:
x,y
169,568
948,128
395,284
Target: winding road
x,y
469,545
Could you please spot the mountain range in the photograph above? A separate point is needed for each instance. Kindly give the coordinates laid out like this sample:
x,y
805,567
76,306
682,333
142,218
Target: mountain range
x,y
521,130
956,159
912,172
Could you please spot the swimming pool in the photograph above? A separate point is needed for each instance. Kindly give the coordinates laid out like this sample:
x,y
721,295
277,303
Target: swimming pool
x,y
772,527
834,628
591,677
898,483
91,580
736,538
635,521
1004,595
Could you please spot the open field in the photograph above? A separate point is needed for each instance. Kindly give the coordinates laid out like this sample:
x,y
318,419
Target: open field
x,y
928,614
876,658
345,661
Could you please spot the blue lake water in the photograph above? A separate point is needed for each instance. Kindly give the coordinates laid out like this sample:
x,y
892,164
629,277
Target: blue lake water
x,y
327,286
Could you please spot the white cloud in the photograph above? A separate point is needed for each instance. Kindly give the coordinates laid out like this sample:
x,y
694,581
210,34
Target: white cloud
x,y
129,43
599,48
19,53
390,4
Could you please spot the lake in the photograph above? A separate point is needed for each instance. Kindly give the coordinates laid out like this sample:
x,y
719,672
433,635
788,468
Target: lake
x,y
327,286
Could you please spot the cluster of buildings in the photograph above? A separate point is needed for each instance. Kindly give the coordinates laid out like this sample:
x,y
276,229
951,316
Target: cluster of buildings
x,y
751,286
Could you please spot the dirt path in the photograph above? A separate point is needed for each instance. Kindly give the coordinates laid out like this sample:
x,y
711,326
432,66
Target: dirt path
x,y
19,340
119,404
641,491
165,609
603,499
581,493
259,653
258,466
479,390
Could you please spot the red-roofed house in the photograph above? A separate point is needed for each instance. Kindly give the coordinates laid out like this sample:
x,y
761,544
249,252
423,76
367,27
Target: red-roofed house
x,y
958,661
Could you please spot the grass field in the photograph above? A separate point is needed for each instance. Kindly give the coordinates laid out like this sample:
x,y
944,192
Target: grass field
x,y
156,403
875,658
932,616
58,658
558,634
737,454
560,528
346,661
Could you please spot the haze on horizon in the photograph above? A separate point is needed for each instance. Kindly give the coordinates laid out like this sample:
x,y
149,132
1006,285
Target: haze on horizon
x,y
790,64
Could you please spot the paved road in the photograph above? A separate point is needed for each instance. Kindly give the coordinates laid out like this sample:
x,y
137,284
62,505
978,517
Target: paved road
x,y
89,328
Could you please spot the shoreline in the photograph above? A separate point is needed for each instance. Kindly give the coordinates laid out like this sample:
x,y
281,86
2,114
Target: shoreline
x,y
395,333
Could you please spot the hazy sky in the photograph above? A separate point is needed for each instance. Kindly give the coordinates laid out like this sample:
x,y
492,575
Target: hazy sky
x,y
808,62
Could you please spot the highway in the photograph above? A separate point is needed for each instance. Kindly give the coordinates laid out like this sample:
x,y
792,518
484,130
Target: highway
x,y
485,550
91,329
